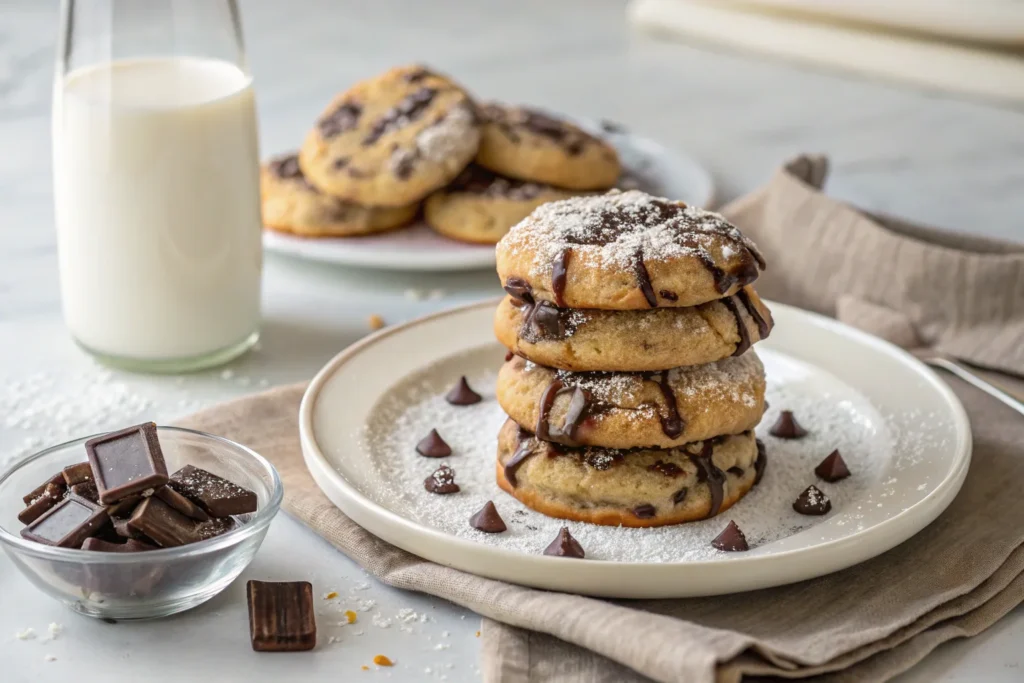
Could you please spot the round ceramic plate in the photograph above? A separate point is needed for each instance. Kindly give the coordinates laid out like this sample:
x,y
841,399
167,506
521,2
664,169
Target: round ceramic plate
x,y
902,432
654,168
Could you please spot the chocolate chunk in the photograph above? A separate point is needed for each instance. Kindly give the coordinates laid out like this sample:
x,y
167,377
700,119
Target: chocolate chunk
x,y
87,490
488,520
564,545
123,528
786,427
462,395
341,120
520,290
51,495
281,616
124,507
403,113
731,539
508,356
215,527
442,481
738,471
181,503
162,523
812,502
669,469
126,462
433,446
217,497
645,511
77,474
132,546
286,166
67,524
832,468
57,480
669,295
680,495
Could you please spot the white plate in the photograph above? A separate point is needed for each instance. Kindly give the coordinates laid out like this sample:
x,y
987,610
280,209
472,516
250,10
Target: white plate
x,y
418,248
902,431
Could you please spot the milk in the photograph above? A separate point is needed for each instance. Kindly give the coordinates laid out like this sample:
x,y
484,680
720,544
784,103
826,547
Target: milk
x,y
156,183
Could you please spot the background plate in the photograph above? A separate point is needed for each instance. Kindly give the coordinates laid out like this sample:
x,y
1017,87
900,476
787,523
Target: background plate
x,y
902,431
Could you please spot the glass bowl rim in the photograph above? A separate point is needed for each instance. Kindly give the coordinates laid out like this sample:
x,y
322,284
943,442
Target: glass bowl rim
x,y
260,520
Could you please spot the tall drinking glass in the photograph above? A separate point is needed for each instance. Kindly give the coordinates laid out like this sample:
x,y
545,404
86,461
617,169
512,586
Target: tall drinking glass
x,y
156,182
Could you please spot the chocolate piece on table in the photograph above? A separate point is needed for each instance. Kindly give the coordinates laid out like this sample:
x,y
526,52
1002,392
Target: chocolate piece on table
x,y
68,524
488,520
281,616
181,503
162,523
786,427
462,395
217,497
564,545
87,490
124,507
731,539
832,468
57,480
49,498
433,446
442,481
812,502
77,474
126,462
215,527
132,546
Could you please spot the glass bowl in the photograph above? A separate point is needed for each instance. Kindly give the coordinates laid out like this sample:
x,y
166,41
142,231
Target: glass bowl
x,y
150,584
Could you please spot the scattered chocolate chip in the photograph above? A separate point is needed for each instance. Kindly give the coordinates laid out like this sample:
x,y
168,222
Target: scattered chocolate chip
x,y
668,295
488,520
731,539
281,616
669,469
462,395
433,446
508,356
832,468
645,511
680,495
442,481
812,502
786,427
564,545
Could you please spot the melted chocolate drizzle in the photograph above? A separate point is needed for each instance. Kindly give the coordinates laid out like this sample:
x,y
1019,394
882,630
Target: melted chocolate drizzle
x,y
764,327
520,290
741,326
708,472
760,463
643,279
558,272
522,454
579,405
672,423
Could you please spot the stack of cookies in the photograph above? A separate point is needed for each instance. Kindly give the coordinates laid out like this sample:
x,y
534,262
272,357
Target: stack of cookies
x,y
631,387
412,138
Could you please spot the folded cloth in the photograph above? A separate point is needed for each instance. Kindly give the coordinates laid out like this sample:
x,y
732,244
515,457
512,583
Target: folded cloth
x,y
959,296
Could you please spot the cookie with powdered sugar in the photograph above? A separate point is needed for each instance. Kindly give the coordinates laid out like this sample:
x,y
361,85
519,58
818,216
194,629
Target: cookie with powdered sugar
x,y
640,487
393,139
636,409
624,251
587,339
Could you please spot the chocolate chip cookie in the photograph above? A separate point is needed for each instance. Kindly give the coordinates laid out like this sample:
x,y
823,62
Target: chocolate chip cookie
x,y
530,145
393,139
291,204
480,206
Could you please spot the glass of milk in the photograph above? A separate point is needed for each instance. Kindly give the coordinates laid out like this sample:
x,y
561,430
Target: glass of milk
x,y
156,183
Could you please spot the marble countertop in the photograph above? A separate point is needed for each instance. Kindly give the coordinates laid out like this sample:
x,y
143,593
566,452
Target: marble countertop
x,y
929,157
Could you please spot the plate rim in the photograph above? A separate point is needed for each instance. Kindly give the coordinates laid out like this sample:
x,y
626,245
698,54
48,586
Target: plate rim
x,y
939,498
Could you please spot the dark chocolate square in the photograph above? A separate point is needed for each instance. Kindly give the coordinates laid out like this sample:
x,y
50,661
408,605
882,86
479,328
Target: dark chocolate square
x,y
281,616
126,462
68,524
162,523
215,495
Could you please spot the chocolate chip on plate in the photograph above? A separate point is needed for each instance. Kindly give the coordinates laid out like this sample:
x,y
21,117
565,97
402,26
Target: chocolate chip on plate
x,y
442,481
786,427
565,545
488,520
832,468
812,502
462,394
731,539
433,446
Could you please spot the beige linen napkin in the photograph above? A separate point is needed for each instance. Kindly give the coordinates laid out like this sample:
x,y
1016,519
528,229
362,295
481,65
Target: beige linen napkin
x,y
959,296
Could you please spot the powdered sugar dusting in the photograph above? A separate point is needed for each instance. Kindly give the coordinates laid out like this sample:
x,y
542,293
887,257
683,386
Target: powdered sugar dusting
x,y
837,415
449,137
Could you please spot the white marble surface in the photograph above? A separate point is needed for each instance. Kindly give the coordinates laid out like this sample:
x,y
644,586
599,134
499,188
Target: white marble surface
x,y
955,163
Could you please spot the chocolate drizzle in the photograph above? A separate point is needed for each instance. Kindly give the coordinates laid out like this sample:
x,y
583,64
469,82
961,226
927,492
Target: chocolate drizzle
x,y
341,120
764,327
516,461
741,326
760,463
558,272
708,472
672,423
403,113
579,404
643,279
520,290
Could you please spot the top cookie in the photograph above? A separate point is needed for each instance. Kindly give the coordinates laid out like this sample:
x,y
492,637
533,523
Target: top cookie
x,y
530,145
393,139
625,251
